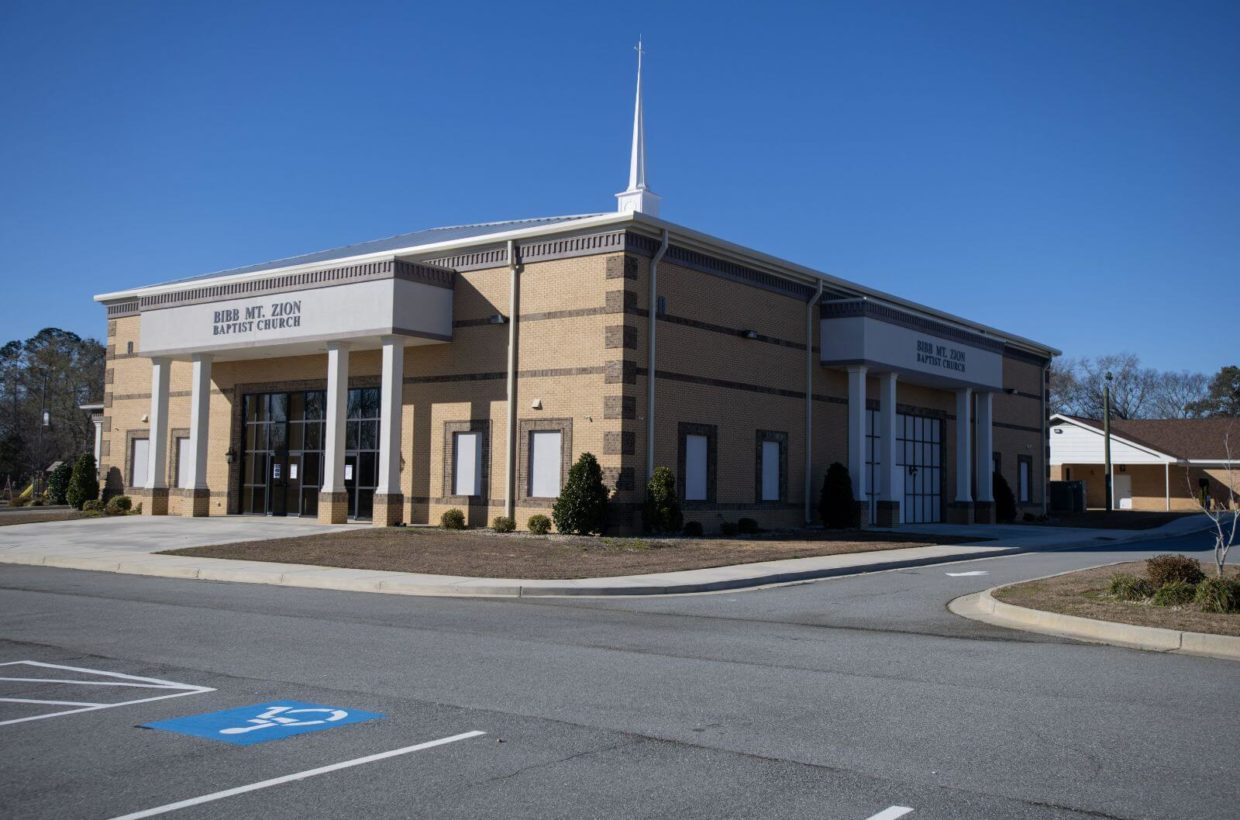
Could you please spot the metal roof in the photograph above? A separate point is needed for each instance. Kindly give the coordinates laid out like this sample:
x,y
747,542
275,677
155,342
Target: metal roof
x,y
401,241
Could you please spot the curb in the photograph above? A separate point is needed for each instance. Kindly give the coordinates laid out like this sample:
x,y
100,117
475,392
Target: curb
x,y
982,606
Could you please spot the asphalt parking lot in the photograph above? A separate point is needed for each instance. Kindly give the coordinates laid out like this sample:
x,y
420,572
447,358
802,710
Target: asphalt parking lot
x,y
852,698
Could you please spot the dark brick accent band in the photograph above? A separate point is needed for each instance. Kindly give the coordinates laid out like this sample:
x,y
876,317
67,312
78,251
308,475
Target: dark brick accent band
x,y
619,443
619,407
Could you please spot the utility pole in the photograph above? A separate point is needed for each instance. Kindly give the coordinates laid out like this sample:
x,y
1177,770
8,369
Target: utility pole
x,y
1106,435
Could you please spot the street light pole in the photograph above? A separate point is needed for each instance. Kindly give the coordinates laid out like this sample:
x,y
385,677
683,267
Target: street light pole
x,y
1106,435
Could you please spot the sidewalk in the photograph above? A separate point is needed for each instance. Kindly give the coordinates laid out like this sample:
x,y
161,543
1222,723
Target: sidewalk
x,y
127,545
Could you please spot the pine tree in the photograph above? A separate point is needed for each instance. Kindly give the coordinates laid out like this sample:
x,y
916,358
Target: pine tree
x,y
582,505
58,483
1005,501
837,507
83,483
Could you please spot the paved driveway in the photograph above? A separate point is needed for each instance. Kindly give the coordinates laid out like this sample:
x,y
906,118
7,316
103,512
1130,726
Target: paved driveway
x,y
144,533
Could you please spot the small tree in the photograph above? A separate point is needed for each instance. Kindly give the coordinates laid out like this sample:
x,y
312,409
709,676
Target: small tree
x,y
1005,501
58,483
582,505
1225,516
837,507
661,511
83,483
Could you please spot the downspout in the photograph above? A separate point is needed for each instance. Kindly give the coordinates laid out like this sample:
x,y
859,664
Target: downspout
x,y
510,454
650,353
809,403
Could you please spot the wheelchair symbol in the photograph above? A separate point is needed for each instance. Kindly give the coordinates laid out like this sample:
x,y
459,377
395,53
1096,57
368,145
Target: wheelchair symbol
x,y
278,716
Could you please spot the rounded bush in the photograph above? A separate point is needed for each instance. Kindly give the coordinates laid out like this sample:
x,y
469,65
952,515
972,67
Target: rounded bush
x,y
747,526
502,523
1164,569
1005,500
118,505
1175,593
452,519
693,529
1130,587
727,528
582,506
37,501
58,483
1218,595
836,506
661,509
94,505
539,524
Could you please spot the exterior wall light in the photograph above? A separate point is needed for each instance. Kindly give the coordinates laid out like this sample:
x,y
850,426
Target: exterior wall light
x,y
749,334
497,319
230,456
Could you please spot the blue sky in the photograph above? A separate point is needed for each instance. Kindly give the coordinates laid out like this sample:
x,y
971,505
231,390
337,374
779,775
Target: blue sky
x,y
1068,171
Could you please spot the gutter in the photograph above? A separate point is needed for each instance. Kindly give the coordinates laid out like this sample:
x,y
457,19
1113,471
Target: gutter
x,y
653,320
809,403
510,453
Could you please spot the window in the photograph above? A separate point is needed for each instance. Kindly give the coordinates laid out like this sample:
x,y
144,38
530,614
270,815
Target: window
x,y
772,466
139,453
183,479
1024,478
545,463
696,462
695,467
467,464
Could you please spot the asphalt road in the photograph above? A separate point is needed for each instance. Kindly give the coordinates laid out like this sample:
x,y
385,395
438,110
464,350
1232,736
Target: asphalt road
x,y
840,698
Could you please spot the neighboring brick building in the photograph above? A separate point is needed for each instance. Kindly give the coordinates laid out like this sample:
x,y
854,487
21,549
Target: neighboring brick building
x,y
493,355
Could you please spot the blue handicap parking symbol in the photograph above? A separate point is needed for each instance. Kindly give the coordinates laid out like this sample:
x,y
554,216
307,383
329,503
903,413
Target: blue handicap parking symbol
x,y
264,721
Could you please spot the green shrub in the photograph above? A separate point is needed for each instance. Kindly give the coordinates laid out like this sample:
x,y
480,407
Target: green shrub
x,y
58,483
1218,595
452,519
118,505
19,501
1130,587
1174,593
503,523
36,501
94,505
1005,501
747,526
83,483
693,529
539,524
837,507
728,529
661,510
1164,569
581,508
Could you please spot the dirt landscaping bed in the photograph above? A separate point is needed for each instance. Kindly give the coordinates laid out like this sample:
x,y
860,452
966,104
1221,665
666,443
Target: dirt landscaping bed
x,y
35,515
1084,594
485,554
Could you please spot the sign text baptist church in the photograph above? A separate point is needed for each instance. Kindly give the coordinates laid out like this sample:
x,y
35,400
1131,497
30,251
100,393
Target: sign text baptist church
x,y
948,358
279,316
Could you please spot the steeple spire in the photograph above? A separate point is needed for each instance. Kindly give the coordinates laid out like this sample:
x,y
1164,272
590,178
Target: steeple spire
x,y
638,197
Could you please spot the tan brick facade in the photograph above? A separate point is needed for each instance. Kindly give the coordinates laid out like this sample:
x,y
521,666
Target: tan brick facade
x,y
582,331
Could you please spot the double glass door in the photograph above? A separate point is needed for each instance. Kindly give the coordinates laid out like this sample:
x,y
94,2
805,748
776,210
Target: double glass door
x,y
282,462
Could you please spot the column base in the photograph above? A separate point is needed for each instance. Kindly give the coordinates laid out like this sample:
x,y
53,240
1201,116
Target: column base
x,y
389,509
334,507
984,512
154,502
196,503
862,516
960,512
886,513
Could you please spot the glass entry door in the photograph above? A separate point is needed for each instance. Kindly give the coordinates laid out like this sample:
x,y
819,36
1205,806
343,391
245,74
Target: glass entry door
x,y
921,449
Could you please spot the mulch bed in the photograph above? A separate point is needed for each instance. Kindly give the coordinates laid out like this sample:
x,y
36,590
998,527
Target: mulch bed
x,y
485,554
1084,594
35,515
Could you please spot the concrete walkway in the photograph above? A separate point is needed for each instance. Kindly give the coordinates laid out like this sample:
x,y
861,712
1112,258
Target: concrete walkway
x,y
127,545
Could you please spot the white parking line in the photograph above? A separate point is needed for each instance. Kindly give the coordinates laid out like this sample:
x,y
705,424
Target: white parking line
x,y
112,679
289,778
891,813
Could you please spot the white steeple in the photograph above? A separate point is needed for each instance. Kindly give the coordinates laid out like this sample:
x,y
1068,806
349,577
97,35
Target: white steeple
x,y
637,197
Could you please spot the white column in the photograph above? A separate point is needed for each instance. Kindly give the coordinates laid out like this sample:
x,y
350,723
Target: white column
x,y
1167,482
157,446
856,430
985,449
964,490
889,454
98,422
199,416
390,415
337,410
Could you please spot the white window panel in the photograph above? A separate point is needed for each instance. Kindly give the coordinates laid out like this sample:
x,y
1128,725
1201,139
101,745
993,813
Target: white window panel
x,y
140,454
770,471
183,477
695,468
545,458
467,469
1023,482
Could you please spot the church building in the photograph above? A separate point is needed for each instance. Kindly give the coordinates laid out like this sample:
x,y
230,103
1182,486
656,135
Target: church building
x,y
470,366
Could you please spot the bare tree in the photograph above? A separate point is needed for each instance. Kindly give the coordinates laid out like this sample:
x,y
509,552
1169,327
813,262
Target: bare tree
x,y
1225,515
1178,395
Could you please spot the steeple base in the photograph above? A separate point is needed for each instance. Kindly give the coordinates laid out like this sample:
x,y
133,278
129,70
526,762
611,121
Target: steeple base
x,y
640,201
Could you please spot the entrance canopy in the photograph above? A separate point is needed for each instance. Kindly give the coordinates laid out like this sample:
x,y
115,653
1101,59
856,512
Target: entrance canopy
x,y
922,351
298,313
